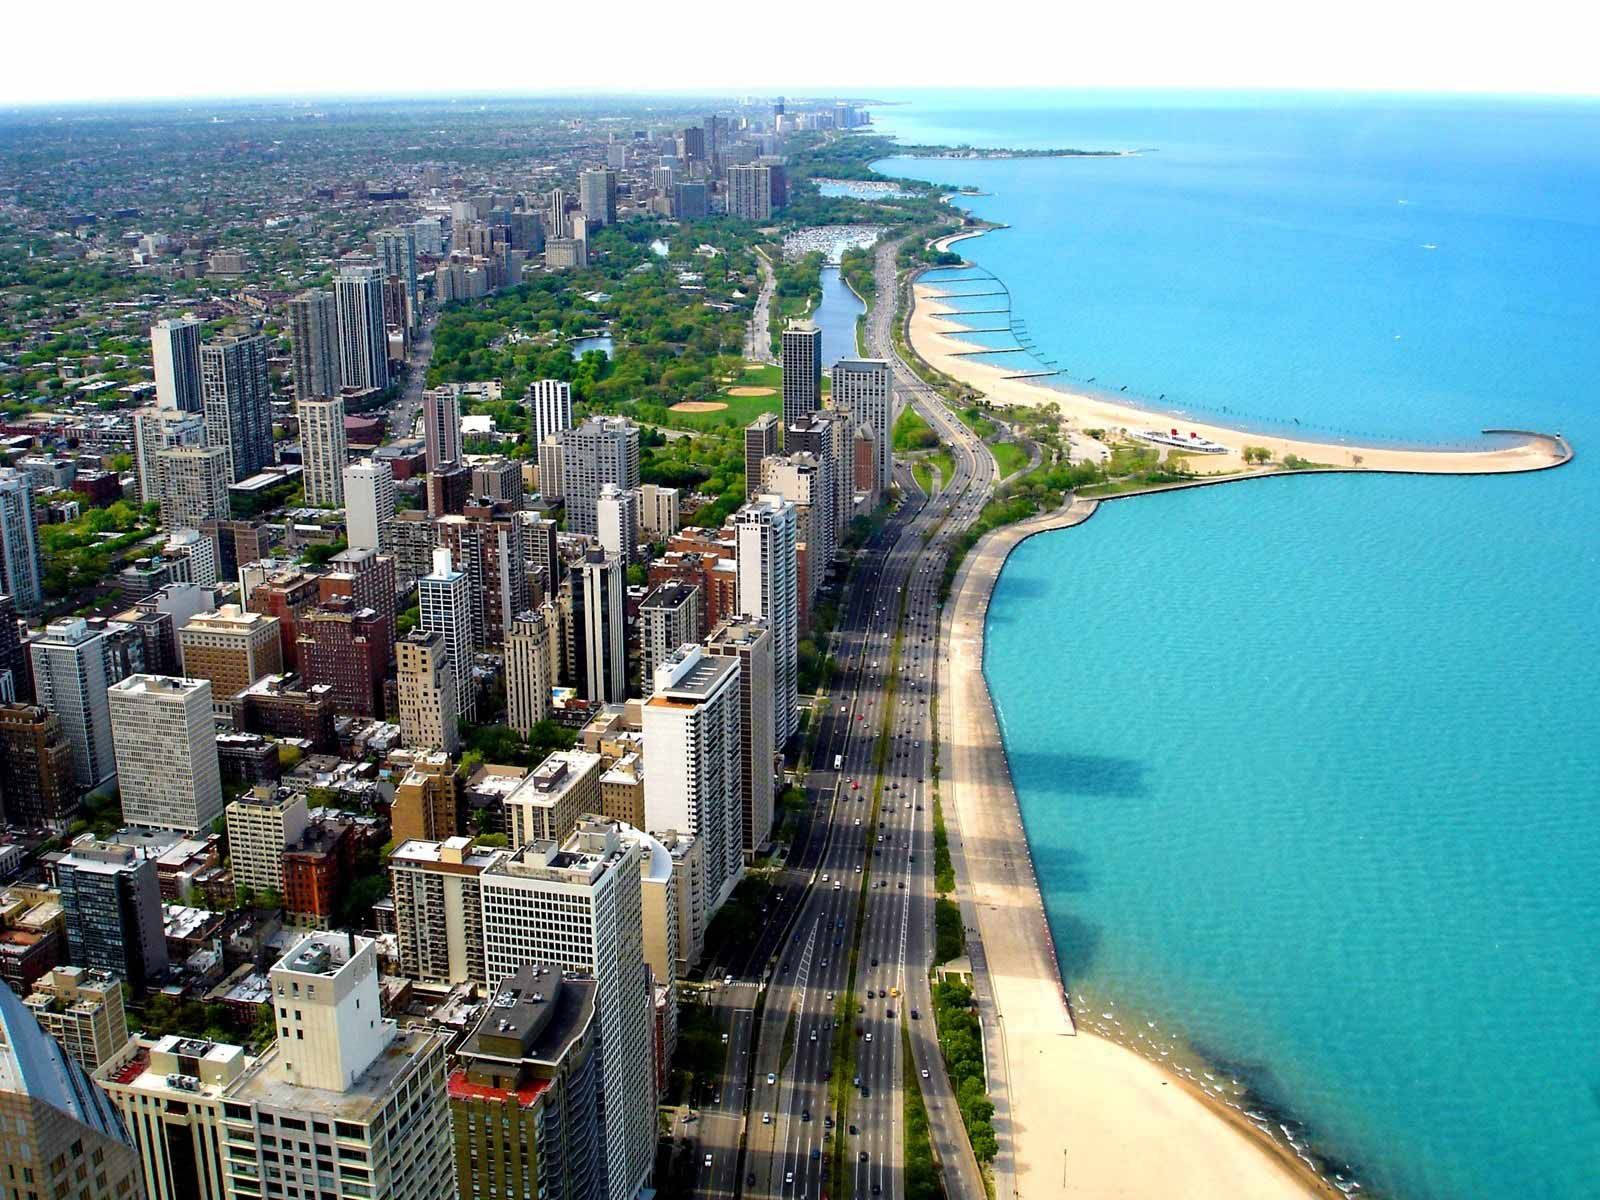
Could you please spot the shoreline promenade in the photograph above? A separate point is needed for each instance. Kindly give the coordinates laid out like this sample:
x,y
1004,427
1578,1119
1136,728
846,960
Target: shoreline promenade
x,y
1075,1114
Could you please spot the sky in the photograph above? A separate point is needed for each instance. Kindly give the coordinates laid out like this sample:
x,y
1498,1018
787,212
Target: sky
x,y
94,50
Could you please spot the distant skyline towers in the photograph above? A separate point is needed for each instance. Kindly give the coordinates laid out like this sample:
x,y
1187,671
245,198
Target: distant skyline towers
x,y
862,388
549,408
323,450
238,402
441,427
369,503
802,372
175,350
21,576
597,195
363,341
314,345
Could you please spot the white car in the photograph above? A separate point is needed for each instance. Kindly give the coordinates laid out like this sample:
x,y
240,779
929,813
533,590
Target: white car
x,y
708,1160
924,1072
766,1118
771,1078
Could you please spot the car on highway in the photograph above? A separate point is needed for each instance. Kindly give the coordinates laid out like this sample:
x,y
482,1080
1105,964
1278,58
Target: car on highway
x,y
925,1072
862,1157
771,1078
766,1118
708,1160
788,1176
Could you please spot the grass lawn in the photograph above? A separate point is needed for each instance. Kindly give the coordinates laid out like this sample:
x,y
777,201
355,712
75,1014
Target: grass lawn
x,y
923,474
942,459
1010,456
911,432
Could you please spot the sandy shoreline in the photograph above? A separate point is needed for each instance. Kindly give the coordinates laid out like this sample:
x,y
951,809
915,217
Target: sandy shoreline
x,y
1077,1114
939,344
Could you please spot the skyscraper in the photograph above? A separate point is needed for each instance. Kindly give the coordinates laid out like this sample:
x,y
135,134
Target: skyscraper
x,y
669,616
363,342
397,253
528,671
63,1135
166,748
314,345
445,608
369,503
692,732
157,429
769,587
617,521
485,541
760,442
750,193
37,790
441,427
602,450
323,450
599,619
192,485
524,1100
20,575
111,899
802,372
71,675
175,349
597,196
749,639
426,688
549,409
238,402
579,906
861,388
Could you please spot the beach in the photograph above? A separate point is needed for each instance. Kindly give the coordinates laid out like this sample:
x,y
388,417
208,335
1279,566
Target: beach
x,y
1076,1114
938,342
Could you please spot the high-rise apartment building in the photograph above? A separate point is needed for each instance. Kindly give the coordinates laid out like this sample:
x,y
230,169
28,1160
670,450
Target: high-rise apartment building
x,y
658,512
498,479
323,450
175,352
346,645
769,587
363,341
669,616
427,800
549,409
427,692
441,427
805,481
617,522
396,251
485,541
344,1091
524,1099
802,372
861,388
601,450
691,200
37,785
154,430
552,465
81,1007
749,639
445,608
597,196
232,648
546,804
750,193
528,671
692,733
166,748
111,899
578,906
192,485
599,599
369,503
262,824
71,675
238,402
21,576
438,909
314,345
59,1133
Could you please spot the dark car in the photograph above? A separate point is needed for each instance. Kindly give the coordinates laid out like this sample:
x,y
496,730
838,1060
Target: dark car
x,y
862,1157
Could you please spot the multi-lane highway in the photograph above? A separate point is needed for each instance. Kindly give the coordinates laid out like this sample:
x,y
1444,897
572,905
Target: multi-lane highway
x,y
847,947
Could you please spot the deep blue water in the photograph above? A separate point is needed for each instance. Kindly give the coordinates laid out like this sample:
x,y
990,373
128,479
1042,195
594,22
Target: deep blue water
x,y
1310,773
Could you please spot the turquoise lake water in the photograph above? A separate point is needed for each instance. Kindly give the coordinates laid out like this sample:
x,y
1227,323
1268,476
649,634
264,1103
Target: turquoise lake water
x,y
1311,771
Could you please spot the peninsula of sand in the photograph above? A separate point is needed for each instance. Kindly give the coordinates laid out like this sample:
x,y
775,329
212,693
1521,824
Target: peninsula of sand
x,y
1079,1115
